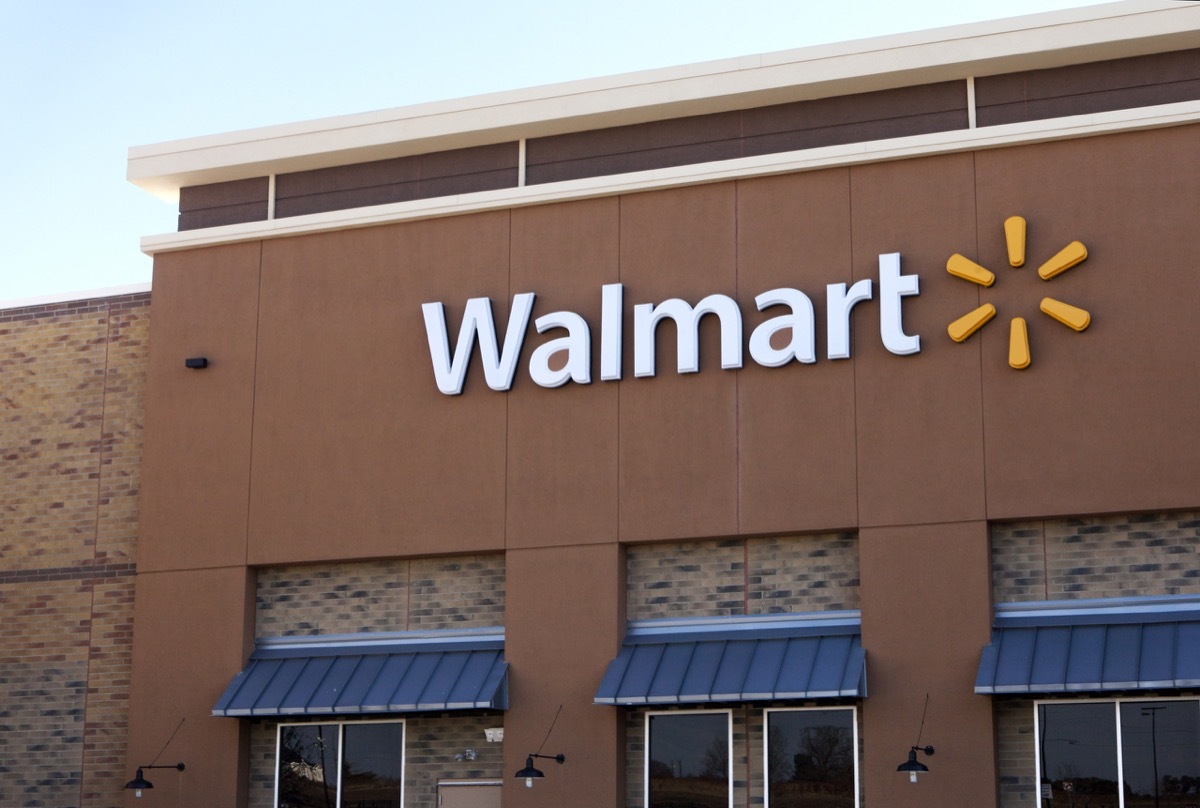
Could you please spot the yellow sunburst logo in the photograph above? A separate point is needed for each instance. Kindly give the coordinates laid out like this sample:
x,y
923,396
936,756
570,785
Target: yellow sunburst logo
x,y
1073,317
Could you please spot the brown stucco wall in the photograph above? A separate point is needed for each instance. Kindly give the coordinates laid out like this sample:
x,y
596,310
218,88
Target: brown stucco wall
x,y
318,435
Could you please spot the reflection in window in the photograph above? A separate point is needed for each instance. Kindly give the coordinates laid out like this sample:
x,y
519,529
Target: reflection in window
x,y
688,761
331,765
1160,749
1158,764
810,758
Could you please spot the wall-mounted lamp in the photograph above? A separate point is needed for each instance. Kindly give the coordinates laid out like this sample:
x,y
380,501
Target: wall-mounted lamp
x,y
196,362
138,783
913,766
530,774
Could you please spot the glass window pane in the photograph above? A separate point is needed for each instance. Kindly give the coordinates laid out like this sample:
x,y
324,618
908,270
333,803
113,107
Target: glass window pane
x,y
689,761
372,765
1160,749
308,773
810,758
1078,755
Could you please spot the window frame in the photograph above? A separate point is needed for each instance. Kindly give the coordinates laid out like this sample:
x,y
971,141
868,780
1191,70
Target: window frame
x,y
1116,702
766,745
341,725
727,712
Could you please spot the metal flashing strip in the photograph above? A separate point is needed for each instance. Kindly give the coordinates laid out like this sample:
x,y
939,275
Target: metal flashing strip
x,y
737,660
298,676
1148,609
1093,646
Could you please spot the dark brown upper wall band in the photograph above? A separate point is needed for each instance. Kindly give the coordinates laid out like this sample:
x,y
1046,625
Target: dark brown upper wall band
x,y
1010,98
1140,81
762,130
223,203
421,176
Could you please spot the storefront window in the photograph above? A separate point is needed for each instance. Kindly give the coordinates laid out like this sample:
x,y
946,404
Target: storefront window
x,y
332,765
1119,754
810,758
687,760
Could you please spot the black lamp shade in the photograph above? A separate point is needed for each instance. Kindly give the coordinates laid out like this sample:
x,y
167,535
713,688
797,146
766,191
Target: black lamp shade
x,y
912,764
138,782
529,771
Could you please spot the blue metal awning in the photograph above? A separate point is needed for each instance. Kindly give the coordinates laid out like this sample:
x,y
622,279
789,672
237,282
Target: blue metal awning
x,y
1093,646
738,659
370,673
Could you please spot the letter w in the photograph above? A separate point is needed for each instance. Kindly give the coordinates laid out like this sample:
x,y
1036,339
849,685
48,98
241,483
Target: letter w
x,y
498,366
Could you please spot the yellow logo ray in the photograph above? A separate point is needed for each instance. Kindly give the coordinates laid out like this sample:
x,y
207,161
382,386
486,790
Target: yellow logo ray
x,y
1014,237
1065,313
971,322
1018,344
1066,258
962,267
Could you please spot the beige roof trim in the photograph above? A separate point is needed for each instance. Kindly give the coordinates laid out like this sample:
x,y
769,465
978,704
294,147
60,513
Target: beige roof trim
x,y
1109,31
73,297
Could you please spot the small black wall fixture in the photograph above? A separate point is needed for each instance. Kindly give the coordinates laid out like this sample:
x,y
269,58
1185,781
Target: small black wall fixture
x,y
530,774
138,783
196,362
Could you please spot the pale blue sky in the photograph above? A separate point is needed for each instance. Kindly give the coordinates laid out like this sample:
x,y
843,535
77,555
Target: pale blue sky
x,y
83,80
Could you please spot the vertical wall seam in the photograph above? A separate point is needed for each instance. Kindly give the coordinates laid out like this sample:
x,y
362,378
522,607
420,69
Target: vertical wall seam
x,y
507,398
253,403
620,381
982,390
737,376
854,370
91,580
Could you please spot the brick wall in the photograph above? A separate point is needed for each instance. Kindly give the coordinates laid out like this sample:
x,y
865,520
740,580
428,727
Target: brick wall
x,y
391,595
742,576
72,377
1016,768
1096,557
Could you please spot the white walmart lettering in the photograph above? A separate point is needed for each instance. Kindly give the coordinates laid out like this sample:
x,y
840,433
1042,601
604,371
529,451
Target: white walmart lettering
x,y
500,360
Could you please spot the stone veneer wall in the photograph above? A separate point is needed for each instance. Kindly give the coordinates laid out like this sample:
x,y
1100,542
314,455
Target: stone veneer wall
x,y
72,381
394,595
1096,557
390,595
742,576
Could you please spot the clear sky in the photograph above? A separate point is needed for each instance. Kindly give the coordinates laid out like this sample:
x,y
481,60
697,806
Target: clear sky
x,y
83,80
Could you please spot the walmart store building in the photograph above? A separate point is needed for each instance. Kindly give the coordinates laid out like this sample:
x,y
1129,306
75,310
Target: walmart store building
x,y
740,432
